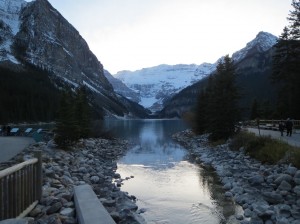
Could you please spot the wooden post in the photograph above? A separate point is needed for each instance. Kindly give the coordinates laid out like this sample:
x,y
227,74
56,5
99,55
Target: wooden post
x,y
39,173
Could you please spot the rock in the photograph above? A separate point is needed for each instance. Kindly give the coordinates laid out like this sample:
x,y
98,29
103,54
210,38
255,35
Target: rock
x,y
272,197
297,190
291,170
109,203
68,212
54,208
36,211
297,181
18,221
283,177
247,213
116,216
95,179
228,194
285,186
296,212
297,174
283,210
256,180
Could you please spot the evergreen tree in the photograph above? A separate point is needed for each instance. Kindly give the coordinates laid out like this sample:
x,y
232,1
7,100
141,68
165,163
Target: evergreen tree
x,y
74,118
65,125
223,109
286,69
217,109
82,114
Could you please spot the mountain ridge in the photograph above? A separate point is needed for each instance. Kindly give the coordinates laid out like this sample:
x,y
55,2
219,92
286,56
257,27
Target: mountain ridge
x,y
155,85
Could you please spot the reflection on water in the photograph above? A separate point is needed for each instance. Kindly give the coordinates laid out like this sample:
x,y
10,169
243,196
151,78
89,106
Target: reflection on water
x,y
169,187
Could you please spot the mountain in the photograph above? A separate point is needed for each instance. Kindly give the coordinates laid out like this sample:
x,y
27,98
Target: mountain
x,y
35,33
253,69
121,88
155,85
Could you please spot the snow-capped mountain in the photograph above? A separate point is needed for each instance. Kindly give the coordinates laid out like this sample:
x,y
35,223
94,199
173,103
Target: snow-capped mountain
x,y
36,33
121,88
157,84
262,42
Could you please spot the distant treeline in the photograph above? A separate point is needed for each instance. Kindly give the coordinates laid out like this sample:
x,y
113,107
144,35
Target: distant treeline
x,y
27,95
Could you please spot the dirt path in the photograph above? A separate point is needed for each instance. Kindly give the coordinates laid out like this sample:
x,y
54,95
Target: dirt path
x,y
11,146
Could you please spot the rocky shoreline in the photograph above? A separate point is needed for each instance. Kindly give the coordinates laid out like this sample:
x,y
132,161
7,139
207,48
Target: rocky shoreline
x,y
267,193
91,161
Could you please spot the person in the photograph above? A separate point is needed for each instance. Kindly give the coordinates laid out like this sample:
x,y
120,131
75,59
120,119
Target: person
x,y
289,127
281,127
8,130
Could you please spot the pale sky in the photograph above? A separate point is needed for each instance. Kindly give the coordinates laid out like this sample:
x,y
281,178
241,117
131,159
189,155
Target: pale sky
x,y
135,34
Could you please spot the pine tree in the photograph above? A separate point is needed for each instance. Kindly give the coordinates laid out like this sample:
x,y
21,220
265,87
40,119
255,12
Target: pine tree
x,y
286,69
65,125
217,109
73,118
223,109
82,114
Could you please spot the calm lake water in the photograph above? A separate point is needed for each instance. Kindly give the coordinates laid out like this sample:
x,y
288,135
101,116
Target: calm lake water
x,y
170,188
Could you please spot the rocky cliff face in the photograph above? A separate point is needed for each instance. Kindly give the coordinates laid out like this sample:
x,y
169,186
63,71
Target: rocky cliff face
x,y
36,33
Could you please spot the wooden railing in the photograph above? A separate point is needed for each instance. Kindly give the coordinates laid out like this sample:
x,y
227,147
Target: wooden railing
x,y
20,188
274,123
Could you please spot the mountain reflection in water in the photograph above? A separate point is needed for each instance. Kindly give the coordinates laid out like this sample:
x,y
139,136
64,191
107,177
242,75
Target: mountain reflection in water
x,y
169,186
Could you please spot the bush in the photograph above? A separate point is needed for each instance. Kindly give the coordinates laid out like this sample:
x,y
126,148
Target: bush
x,y
266,149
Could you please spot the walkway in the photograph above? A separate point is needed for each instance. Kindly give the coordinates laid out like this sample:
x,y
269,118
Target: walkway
x,y
294,140
11,146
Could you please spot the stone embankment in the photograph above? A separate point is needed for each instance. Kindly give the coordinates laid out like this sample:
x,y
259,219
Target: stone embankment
x,y
92,162
267,193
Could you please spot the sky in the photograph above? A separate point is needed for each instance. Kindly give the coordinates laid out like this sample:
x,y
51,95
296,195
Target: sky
x,y
135,34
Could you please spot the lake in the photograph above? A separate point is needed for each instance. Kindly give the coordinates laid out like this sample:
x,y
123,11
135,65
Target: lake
x,y
169,186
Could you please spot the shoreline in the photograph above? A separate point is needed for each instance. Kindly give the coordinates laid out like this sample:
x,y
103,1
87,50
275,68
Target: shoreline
x,y
91,161
267,193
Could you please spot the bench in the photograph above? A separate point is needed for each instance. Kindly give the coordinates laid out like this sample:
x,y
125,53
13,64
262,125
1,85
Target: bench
x,y
27,131
89,209
14,131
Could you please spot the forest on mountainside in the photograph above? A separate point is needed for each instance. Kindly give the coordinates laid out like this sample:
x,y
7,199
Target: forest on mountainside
x,y
27,95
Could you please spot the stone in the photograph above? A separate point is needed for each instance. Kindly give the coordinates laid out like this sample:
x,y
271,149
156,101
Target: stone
x,y
297,181
69,212
297,174
283,177
285,186
36,211
297,190
109,203
256,180
247,213
54,208
228,194
296,212
283,210
272,197
95,179
291,170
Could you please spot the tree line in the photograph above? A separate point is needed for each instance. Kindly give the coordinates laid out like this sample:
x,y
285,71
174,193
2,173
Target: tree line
x,y
27,95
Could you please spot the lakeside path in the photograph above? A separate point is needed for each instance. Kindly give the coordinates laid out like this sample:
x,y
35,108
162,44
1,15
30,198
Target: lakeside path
x,y
11,146
294,140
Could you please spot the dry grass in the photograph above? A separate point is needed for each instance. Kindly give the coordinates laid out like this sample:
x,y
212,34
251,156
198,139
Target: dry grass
x,y
266,149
